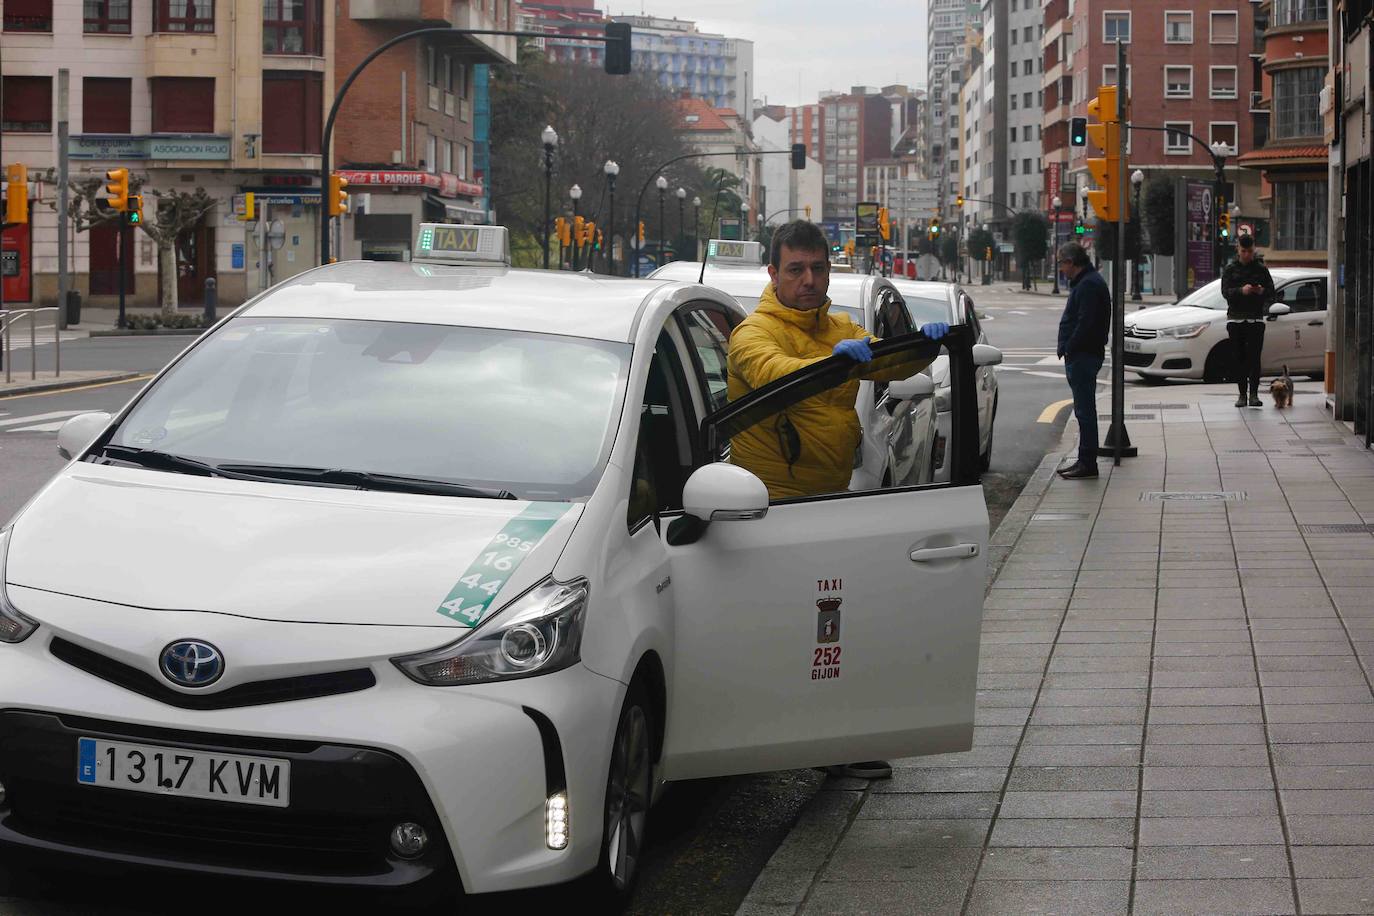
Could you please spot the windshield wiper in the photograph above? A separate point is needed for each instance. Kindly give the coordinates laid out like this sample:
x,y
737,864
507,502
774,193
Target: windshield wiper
x,y
363,480
165,461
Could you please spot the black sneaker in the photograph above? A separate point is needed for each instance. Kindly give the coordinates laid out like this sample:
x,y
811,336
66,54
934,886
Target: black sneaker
x,y
1240,401
868,769
1255,401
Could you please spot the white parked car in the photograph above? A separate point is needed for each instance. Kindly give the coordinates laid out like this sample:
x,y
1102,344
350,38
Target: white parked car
x,y
432,569
1188,339
951,303
898,419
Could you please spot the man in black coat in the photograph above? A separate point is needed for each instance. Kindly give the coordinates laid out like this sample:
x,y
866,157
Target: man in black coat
x,y
1083,331
1248,289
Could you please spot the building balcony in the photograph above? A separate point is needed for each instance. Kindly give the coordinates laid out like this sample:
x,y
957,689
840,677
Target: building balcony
x,y
458,14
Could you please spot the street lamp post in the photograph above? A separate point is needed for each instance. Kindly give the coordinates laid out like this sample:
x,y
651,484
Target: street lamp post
x,y
1058,204
662,184
696,228
1137,179
611,169
549,136
987,263
1219,152
1083,198
681,218
575,192
744,219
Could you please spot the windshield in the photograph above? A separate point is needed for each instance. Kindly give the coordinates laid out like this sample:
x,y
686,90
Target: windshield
x,y
523,412
1206,297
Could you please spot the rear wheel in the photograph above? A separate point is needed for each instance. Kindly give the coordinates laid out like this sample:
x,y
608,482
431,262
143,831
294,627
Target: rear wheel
x,y
629,787
1220,364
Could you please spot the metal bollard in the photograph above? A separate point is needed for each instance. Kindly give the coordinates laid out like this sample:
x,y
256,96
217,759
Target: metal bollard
x,y
211,299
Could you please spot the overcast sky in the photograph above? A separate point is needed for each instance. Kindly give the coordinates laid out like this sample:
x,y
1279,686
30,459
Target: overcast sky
x,y
802,47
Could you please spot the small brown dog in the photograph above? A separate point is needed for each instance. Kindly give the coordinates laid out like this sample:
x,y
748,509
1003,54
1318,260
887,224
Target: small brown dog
x,y
1282,389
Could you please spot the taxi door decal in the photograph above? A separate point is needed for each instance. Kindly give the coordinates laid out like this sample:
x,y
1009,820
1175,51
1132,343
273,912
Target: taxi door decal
x,y
472,595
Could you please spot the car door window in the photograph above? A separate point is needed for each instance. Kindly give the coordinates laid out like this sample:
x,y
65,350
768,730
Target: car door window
x,y
708,332
970,314
891,319
663,453
1305,296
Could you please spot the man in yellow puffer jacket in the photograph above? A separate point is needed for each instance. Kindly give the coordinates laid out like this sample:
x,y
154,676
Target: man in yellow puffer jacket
x,y
809,448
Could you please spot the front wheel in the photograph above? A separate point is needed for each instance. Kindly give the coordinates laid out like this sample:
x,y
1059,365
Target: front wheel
x,y
629,787
1151,380
1220,364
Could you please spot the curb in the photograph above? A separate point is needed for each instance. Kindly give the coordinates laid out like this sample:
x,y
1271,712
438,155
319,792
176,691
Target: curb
x,y
38,387
150,332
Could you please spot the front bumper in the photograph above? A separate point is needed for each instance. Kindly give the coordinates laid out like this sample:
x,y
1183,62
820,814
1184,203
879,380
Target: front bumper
x,y
1162,357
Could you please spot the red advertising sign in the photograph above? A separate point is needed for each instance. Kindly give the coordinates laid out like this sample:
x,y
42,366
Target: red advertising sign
x,y
445,183
1052,183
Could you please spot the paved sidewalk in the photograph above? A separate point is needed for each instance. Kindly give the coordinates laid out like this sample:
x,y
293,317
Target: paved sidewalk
x,y
1174,712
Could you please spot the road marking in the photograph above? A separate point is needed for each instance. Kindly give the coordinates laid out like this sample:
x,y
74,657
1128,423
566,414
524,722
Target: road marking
x,y
43,394
1049,413
15,421
40,428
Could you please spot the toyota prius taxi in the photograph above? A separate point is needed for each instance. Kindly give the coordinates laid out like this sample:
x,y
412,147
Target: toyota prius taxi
x,y
437,572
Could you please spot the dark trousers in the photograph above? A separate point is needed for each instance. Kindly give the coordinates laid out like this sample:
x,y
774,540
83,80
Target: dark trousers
x,y
1247,343
1082,369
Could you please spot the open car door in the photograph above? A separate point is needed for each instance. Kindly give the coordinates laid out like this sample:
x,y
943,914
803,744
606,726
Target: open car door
x,y
835,628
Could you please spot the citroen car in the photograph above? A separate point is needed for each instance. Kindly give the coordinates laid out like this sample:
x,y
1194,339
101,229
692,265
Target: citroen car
x,y
1187,340
437,572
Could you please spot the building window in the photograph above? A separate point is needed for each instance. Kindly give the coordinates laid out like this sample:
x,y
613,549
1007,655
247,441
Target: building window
x,y
1013,68
1288,12
1223,82
1026,99
106,17
1222,132
1225,28
28,16
27,105
184,15
292,106
1178,28
1178,82
106,105
1300,215
183,105
1296,103
1176,140
1109,76
1116,26
431,150
293,27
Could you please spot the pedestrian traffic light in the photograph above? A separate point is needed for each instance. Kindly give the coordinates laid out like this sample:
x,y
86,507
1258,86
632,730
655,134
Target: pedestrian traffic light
x,y
117,189
1223,220
338,197
616,58
134,215
884,225
1078,131
17,194
1079,228
1106,171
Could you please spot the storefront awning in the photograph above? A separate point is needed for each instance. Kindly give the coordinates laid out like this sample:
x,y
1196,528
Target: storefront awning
x,y
458,210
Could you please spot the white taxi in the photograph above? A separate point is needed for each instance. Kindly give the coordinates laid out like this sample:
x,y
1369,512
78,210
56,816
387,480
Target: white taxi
x,y
898,418
415,572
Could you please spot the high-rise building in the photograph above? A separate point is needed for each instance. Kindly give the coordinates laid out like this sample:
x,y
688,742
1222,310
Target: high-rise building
x,y
857,128
714,68
945,24
570,26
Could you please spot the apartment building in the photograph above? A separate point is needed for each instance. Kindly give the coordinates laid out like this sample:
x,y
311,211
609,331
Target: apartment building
x,y
857,127
715,68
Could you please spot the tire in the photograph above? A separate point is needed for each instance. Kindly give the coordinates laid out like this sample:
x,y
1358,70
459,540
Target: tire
x,y
1152,381
1220,364
629,788
985,459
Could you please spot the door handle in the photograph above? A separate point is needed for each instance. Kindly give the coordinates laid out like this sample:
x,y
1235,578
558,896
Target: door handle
x,y
1315,324
956,552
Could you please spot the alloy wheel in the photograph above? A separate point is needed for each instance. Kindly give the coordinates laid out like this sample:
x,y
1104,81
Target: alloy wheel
x,y
627,796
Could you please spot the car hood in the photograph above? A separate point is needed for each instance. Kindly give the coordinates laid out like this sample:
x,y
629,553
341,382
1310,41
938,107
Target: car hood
x,y
1171,316
272,551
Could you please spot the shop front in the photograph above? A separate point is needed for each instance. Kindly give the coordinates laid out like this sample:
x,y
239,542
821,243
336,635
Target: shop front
x,y
386,207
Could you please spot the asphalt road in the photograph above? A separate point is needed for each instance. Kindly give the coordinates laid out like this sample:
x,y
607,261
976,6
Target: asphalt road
x,y
709,838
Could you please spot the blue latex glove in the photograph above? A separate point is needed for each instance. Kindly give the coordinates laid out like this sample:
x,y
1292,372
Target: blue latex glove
x,y
857,350
935,330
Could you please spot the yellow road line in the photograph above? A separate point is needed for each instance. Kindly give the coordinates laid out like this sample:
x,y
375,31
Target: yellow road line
x,y
1049,413
39,394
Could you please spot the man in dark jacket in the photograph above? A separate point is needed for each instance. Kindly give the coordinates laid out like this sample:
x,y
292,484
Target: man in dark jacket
x,y
1248,289
1083,331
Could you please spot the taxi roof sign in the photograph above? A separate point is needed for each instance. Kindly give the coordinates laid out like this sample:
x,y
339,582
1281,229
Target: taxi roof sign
x,y
448,243
728,253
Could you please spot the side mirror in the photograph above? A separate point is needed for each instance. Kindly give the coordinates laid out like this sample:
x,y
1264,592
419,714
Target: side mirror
x,y
918,386
986,355
1278,308
79,432
723,492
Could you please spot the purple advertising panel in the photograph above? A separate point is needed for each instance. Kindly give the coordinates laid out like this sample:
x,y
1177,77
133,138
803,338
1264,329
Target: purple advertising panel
x,y
1201,247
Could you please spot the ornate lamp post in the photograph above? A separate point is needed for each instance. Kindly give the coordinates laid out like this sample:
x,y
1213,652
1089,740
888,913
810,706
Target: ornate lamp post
x,y
987,263
1058,204
681,218
612,169
744,219
696,228
549,137
1137,179
662,184
575,192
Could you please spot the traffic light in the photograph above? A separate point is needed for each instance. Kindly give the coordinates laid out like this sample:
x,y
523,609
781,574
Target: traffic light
x,y
987,253
117,187
560,230
598,240
798,156
134,215
1078,131
1079,228
808,211
616,58
934,231
17,195
959,201
338,197
641,232
579,229
849,248
1106,171
1223,220
884,225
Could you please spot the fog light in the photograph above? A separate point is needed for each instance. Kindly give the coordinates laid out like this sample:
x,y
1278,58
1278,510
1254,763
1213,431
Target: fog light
x,y
408,839
556,820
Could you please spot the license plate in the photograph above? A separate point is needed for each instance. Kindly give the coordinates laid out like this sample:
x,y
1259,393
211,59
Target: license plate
x,y
1131,346
183,773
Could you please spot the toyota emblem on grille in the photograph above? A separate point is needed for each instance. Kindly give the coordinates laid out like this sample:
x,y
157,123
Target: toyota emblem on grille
x,y
192,663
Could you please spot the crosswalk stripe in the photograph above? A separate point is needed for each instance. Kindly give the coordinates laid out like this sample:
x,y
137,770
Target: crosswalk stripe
x,y
16,421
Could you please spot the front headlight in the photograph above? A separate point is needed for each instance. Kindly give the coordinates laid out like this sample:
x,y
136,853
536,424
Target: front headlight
x,y
14,626
1185,332
537,633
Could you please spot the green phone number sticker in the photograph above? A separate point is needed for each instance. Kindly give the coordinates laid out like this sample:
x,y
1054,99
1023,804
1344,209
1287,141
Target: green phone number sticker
x,y
472,595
